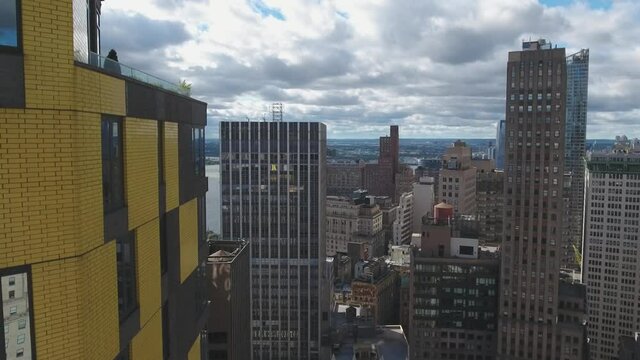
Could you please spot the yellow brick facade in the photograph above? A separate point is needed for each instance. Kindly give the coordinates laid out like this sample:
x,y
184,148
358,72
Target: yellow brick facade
x,y
141,170
57,309
147,344
51,200
47,28
148,269
75,310
188,238
99,305
50,181
172,178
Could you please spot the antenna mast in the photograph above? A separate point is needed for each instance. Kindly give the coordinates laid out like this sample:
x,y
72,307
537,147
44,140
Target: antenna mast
x,y
276,111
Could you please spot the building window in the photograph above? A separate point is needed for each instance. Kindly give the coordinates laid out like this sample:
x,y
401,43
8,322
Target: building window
x,y
17,309
197,138
10,25
217,337
202,219
126,259
466,250
112,163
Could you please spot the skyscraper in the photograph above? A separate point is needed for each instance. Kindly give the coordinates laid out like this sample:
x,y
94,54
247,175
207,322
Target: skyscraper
x,y
611,264
575,137
102,190
273,195
457,185
529,323
380,179
500,145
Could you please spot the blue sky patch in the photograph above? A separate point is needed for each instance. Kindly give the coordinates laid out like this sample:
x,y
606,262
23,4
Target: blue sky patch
x,y
264,10
594,4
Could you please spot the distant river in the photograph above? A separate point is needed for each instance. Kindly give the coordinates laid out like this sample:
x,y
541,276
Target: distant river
x,y
213,198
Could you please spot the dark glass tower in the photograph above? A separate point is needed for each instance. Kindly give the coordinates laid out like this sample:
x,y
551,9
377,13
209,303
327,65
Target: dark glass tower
x,y
273,195
575,137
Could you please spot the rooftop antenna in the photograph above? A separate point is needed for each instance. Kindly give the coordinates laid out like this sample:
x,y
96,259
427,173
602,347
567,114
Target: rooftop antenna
x,y
276,111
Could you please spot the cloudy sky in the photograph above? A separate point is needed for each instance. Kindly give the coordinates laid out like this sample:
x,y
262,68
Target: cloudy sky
x,y
435,67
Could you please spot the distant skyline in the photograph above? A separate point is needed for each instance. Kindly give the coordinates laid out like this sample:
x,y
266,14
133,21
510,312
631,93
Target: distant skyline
x,y
436,68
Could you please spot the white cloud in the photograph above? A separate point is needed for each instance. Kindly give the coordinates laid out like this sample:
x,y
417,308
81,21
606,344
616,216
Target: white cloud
x,y
436,68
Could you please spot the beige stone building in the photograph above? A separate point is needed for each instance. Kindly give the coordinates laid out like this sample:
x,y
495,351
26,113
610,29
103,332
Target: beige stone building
x,y
354,221
457,179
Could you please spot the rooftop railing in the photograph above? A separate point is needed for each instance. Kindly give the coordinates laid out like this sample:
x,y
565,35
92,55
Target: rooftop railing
x,y
118,68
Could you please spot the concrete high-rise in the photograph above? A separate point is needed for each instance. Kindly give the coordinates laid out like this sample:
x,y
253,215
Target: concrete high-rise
x,y
102,187
273,183
611,267
575,138
457,185
355,220
529,325
423,201
403,227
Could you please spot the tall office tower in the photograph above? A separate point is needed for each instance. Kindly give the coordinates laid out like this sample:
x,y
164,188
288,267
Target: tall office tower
x,y
500,145
380,179
102,190
611,268
533,211
273,183
457,185
390,149
423,201
575,138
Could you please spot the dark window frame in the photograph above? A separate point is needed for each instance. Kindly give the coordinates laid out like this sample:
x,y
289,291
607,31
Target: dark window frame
x,y
197,150
18,48
127,277
26,269
202,220
164,261
112,158
161,147
93,25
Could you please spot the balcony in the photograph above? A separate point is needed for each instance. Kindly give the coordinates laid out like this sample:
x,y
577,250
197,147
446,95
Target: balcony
x,y
118,68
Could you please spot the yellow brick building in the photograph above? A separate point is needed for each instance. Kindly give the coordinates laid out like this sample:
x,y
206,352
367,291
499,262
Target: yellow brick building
x,y
102,185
